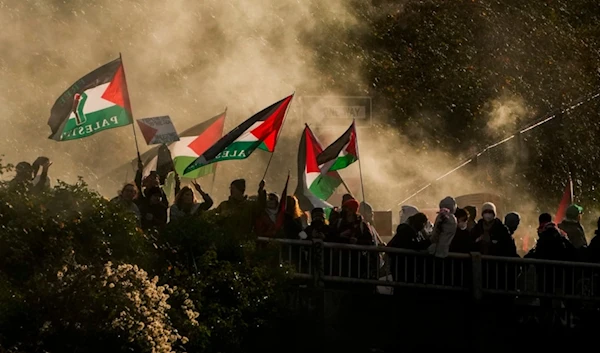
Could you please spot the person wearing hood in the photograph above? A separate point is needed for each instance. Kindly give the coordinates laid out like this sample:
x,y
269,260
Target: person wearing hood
x,y
352,228
572,226
408,211
552,243
407,234
444,228
407,237
491,236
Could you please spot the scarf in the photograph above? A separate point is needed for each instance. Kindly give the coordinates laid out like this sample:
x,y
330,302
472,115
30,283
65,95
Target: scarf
x,y
272,214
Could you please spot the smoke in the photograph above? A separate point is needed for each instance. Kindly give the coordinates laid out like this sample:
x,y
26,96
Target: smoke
x,y
190,59
185,58
505,111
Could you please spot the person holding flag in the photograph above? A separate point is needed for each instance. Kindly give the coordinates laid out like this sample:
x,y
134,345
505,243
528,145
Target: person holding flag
x,y
571,225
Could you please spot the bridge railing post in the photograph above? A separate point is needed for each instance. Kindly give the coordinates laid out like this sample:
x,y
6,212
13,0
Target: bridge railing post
x,y
318,260
477,275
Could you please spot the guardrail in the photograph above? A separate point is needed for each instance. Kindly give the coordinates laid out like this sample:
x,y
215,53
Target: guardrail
x,y
330,264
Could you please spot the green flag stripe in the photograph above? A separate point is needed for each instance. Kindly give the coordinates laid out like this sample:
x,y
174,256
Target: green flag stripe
x,y
109,118
181,162
343,161
324,186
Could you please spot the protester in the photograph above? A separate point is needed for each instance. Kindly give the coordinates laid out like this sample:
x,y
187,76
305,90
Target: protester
x,y
293,222
472,210
154,211
462,242
151,181
408,234
351,228
241,211
444,228
346,197
552,244
491,235
267,221
319,227
572,226
512,221
126,199
335,216
366,210
186,204
407,211
25,179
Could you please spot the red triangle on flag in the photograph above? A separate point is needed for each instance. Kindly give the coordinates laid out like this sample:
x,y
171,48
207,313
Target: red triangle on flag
x,y
117,92
268,131
208,137
148,131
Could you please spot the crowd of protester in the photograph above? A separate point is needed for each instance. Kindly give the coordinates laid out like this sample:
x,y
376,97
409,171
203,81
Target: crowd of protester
x,y
454,230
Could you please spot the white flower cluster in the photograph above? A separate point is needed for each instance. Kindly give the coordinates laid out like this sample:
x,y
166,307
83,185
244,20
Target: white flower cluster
x,y
139,305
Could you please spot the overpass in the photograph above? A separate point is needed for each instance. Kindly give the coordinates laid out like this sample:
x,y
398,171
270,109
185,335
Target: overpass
x,y
474,297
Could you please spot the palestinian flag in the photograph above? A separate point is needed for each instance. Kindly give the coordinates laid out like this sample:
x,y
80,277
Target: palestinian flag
x,y
96,102
192,143
341,153
565,202
314,187
260,131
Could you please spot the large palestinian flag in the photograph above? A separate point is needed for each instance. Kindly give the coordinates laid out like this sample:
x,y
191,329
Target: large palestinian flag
x,y
260,131
96,102
341,153
192,143
314,187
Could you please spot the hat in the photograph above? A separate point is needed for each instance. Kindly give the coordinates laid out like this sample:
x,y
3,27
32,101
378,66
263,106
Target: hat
x,y
352,205
488,206
239,184
574,211
317,210
365,207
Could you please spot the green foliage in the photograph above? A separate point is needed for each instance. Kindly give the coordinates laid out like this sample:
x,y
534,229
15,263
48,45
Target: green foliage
x,y
237,287
72,278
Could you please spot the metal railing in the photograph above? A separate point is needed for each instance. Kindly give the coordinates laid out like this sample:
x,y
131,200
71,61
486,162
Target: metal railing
x,y
331,264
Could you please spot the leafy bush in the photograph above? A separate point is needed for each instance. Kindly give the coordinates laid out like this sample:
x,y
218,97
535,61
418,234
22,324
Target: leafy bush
x,y
72,278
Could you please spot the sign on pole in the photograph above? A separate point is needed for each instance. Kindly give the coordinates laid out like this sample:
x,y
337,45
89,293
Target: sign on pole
x,y
158,130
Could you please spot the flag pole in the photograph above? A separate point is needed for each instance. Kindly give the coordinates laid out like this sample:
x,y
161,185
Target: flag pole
x,y
214,177
362,184
277,138
137,147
